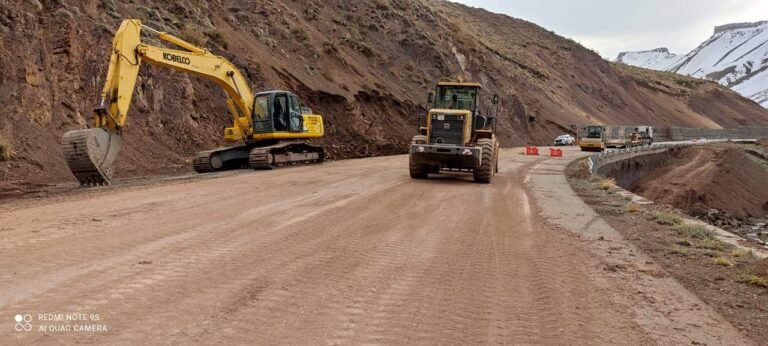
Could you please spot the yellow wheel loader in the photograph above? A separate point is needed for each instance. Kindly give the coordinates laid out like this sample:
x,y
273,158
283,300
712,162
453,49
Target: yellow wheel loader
x,y
270,128
456,136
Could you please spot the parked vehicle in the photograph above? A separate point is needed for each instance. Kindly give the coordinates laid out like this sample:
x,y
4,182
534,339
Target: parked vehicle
x,y
565,140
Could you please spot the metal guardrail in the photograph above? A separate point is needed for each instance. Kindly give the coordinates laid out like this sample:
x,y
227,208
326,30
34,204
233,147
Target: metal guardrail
x,y
598,160
684,133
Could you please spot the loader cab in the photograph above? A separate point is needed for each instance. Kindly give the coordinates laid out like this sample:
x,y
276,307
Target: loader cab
x,y
277,111
452,117
463,96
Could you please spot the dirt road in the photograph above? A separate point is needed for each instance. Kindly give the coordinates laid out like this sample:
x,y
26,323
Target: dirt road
x,y
344,253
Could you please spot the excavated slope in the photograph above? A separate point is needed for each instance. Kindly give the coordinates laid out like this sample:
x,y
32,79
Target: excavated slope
x,y
366,66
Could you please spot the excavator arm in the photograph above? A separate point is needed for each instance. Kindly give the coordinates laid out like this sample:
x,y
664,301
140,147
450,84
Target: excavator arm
x,y
90,153
128,53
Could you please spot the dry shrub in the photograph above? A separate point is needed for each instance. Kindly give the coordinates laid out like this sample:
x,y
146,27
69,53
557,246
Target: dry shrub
x,y
194,35
5,148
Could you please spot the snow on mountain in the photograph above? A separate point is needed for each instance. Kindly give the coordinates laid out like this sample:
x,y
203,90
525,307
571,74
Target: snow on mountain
x,y
657,59
736,56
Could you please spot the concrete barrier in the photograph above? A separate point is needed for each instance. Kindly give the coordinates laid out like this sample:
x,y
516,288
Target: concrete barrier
x,y
627,165
670,134
598,162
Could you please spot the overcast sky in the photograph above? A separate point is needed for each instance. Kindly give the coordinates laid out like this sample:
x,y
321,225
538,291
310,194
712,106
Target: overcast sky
x,y
613,26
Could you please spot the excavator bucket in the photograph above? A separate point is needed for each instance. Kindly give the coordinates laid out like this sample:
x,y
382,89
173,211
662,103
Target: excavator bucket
x,y
90,154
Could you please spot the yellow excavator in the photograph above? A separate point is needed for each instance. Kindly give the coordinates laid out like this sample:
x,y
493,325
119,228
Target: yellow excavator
x,y
270,128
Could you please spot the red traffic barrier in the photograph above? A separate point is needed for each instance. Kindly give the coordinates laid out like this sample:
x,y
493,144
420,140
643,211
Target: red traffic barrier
x,y
555,152
531,150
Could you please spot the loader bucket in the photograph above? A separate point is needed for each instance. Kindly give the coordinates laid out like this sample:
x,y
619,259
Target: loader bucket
x,y
90,154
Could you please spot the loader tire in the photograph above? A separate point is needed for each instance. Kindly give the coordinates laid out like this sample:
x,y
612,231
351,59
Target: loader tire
x,y
417,171
484,172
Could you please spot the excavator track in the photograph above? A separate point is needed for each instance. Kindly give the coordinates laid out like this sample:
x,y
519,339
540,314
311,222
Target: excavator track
x,y
85,164
221,159
202,162
285,154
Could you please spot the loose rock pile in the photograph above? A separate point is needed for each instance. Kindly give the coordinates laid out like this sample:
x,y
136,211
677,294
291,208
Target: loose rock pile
x,y
753,229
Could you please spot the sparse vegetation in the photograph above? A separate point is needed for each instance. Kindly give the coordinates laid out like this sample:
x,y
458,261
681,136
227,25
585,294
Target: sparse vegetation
x,y
299,34
634,208
605,184
722,262
681,251
743,254
693,231
700,237
668,219
753,280
5,148
194,35
331,47
710,244
217,37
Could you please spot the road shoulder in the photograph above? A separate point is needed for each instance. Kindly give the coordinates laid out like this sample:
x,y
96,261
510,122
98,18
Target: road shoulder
x,y
632,280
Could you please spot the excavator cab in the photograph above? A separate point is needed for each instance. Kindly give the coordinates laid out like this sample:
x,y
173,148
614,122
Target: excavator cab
x,y
277,111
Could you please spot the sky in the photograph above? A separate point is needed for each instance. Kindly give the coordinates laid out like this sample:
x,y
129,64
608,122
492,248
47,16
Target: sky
x,y
613,26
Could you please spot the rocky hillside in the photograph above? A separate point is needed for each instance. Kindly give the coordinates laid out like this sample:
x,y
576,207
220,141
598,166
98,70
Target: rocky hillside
x,y
366,66
735,56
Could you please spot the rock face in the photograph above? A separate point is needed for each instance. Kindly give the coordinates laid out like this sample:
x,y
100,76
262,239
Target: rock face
x,y
365,66
735,56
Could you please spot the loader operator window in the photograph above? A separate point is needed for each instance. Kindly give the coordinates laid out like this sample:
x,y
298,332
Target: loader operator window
x,y
456,97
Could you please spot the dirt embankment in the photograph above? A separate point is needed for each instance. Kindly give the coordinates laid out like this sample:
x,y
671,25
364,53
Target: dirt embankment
x,y
365,66
705,177
726,185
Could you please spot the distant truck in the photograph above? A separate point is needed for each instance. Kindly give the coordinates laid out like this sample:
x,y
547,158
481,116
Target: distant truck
x,y
617,136
629,137
644,135
598,138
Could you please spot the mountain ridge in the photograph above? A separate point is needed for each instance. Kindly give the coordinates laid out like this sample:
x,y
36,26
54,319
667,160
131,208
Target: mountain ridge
x,y
736,56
